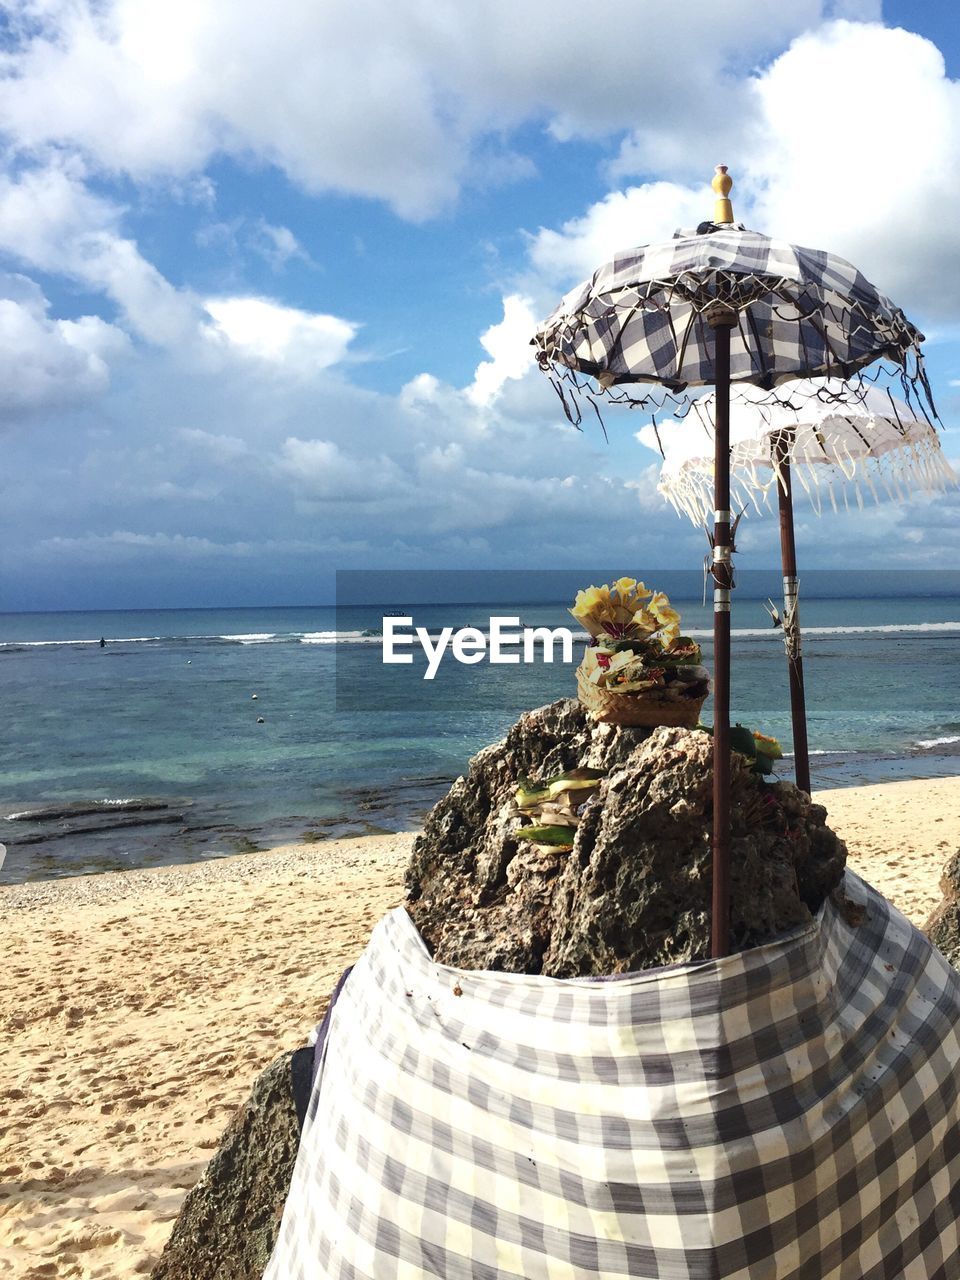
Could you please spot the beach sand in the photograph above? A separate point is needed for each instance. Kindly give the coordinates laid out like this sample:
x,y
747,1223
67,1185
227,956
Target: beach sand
x,y
899,837
136,1009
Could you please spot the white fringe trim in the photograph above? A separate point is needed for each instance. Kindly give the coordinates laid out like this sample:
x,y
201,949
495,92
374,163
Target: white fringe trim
x,y
916,464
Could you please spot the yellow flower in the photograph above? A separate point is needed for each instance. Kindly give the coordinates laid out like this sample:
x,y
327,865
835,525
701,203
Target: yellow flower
x,y
768,746
590,601
618,610
670,634
645,622
593,608
662,610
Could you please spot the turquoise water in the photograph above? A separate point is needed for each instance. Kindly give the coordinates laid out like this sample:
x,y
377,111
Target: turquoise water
x,y
148,749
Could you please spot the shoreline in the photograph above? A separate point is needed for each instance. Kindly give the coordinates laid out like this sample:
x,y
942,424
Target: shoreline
x,y
844,804
138,1007
160,841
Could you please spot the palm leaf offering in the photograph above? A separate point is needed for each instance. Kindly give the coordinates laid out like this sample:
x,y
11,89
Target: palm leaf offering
x,y
636,648
549,809
762,750
556,836
636,643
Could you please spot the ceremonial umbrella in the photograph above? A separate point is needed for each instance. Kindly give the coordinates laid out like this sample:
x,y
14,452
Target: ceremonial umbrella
x,y
709,307
799,431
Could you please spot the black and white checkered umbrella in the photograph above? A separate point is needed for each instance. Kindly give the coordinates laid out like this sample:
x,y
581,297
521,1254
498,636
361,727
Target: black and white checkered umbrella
x,y
644,316
716,306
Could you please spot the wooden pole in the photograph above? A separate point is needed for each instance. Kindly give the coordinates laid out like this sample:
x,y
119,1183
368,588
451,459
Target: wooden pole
x,y
791,616
721,320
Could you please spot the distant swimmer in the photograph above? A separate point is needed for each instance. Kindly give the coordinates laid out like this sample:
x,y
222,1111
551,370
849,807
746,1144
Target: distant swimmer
x,y
103,643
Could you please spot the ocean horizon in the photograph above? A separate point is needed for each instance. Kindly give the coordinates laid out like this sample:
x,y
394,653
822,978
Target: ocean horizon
x,y
200,733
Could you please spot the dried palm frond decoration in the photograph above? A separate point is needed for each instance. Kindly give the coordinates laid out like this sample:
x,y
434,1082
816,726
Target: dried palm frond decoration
x,y
837,451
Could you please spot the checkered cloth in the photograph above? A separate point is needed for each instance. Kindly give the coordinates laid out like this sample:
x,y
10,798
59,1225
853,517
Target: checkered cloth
x,y
800,313
787,1113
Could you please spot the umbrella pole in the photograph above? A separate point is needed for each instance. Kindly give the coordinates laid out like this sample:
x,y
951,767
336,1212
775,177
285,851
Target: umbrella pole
x,y
791,615
721,320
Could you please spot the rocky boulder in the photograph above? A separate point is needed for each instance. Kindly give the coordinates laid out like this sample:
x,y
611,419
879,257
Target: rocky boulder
x,y
228,1224
943,926
634,892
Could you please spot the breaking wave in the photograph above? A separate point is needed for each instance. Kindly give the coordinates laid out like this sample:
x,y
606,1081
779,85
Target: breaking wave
x,y
365,637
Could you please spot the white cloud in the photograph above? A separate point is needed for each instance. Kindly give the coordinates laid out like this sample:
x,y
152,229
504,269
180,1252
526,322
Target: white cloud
x,y
128,541
620,220
322,471
847,141
46,363
281,335
49,220
224,449
130,545
278,245
886,201
368,97
508,343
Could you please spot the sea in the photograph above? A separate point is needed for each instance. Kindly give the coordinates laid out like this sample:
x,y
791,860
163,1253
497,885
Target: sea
x,y
201,733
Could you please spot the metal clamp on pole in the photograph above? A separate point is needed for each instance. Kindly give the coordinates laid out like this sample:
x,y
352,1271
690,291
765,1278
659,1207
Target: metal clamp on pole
x,y
720,316
722,577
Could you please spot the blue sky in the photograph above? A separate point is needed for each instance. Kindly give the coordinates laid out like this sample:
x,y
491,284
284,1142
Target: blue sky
x,y
267,284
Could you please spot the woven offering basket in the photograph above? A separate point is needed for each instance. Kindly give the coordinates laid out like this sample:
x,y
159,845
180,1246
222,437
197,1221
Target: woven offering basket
x,y
648,709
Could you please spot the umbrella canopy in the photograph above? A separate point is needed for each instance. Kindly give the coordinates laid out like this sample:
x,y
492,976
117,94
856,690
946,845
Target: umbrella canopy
x,y
877,443
804,431
643,317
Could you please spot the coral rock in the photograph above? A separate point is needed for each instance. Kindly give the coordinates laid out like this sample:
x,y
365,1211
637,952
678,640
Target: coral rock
x,y
635,890
943,926
228,1224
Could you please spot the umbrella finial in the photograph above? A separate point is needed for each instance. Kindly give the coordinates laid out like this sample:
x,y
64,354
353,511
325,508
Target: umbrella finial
x,y
722,208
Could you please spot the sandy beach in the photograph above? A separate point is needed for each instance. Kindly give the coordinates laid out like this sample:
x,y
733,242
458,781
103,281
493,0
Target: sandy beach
x,y
136,1008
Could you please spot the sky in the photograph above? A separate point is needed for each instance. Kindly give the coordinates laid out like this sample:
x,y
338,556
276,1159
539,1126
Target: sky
x,y
268,278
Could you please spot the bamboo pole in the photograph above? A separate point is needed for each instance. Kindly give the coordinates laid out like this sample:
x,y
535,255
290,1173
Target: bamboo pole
x,y
721,320
791,615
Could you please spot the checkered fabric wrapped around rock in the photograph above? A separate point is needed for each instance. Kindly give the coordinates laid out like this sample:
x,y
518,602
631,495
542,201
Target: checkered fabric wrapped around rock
x,y
642,318
786,1113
